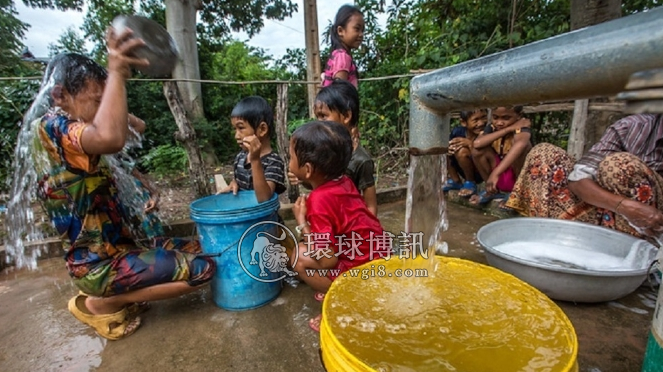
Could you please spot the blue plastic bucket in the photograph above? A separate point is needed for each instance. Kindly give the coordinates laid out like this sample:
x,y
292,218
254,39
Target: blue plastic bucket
x,y
222,221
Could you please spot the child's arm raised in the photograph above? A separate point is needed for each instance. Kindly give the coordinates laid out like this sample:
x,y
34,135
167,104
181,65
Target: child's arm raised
x,y
520,145
486,139
264,189
108,131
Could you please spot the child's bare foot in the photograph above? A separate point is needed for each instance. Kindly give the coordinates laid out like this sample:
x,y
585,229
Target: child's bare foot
x,y
314,323
469,189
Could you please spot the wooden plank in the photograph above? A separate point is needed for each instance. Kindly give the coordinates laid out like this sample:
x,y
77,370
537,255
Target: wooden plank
x,y
576,146
282,138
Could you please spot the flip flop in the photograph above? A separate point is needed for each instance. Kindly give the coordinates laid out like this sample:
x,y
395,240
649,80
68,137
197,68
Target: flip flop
x,y
451,185
103,323
470,186
134,309
502,205
314,323
138,308
485,198
319,296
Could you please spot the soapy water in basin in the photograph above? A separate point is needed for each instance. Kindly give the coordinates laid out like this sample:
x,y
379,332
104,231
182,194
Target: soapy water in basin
x,y
639,256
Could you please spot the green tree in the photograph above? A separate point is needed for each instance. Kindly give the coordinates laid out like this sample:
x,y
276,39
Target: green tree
x,y
11,33
69,41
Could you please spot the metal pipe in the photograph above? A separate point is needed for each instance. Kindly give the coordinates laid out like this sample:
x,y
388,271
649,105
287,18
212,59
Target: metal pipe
x,y
590,62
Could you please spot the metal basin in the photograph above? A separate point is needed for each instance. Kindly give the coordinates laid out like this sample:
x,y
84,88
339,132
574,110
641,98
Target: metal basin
x,y
560,280
160,48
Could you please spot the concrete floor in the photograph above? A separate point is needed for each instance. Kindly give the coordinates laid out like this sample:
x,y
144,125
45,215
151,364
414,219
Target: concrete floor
x,y
191,334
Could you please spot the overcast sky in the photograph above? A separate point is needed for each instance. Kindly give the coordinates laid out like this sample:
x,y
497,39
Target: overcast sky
x,y
46,26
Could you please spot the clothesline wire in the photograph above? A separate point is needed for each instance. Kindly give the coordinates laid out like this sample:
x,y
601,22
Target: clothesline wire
x,y
221,82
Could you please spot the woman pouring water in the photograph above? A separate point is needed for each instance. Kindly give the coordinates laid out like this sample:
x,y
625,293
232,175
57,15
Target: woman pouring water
x,y
87,119
617,184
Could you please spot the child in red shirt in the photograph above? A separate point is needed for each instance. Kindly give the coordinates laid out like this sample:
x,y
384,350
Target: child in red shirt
x,y
334,219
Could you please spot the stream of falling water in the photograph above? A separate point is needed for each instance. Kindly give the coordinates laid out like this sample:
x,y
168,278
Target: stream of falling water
x,y
426,209
30,165
449,315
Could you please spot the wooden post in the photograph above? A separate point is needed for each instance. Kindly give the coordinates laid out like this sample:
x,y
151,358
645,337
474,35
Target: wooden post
x,y
583,128
576,145
313,69
187,137
282,138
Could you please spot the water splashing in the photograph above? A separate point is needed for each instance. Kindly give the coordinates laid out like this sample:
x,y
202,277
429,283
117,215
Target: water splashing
x,y
22,229
426,209
33,163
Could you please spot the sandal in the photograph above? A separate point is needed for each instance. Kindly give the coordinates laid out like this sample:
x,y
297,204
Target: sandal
x,y
138,308
469,189
484,198
452,185
134,309
314,323
110,326
502,205
319,296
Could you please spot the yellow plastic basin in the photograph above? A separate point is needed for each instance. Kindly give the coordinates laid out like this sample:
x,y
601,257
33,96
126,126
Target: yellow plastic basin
x,y
464,317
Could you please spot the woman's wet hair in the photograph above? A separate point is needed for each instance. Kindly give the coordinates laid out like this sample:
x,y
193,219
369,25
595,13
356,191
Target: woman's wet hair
x,y
254,110
341,96
72,71
342,17
326,145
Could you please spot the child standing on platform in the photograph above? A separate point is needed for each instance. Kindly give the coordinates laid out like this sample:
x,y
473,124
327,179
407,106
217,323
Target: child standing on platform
x,y
346,33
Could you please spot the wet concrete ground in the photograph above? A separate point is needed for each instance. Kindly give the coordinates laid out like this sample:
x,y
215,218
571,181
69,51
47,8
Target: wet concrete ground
x,y
190,333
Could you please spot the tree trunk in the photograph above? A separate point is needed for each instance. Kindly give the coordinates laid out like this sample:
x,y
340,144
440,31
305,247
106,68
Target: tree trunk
x,y
181,25
283,144
587,13
592,12
187,137
576,146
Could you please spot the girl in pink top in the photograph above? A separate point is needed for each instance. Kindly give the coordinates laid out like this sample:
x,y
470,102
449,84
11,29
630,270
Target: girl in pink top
x,y
346,33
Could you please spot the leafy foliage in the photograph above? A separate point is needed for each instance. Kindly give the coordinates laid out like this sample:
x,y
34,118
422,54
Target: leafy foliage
x,y
11,33
166,160
419,35
69,41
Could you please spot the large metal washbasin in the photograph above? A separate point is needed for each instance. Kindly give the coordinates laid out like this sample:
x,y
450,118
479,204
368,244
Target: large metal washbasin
x,y
555,277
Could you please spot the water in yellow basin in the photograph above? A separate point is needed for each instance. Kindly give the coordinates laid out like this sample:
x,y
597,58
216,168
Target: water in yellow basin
x,y
462,317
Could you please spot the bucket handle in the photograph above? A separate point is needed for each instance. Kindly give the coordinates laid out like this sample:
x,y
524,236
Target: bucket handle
x,y
224,250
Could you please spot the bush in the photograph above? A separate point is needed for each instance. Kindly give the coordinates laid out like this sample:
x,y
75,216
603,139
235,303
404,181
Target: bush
x,y
166,160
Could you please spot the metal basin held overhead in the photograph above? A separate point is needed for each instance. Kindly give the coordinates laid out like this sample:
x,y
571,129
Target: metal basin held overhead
x,y
566,260
160,48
